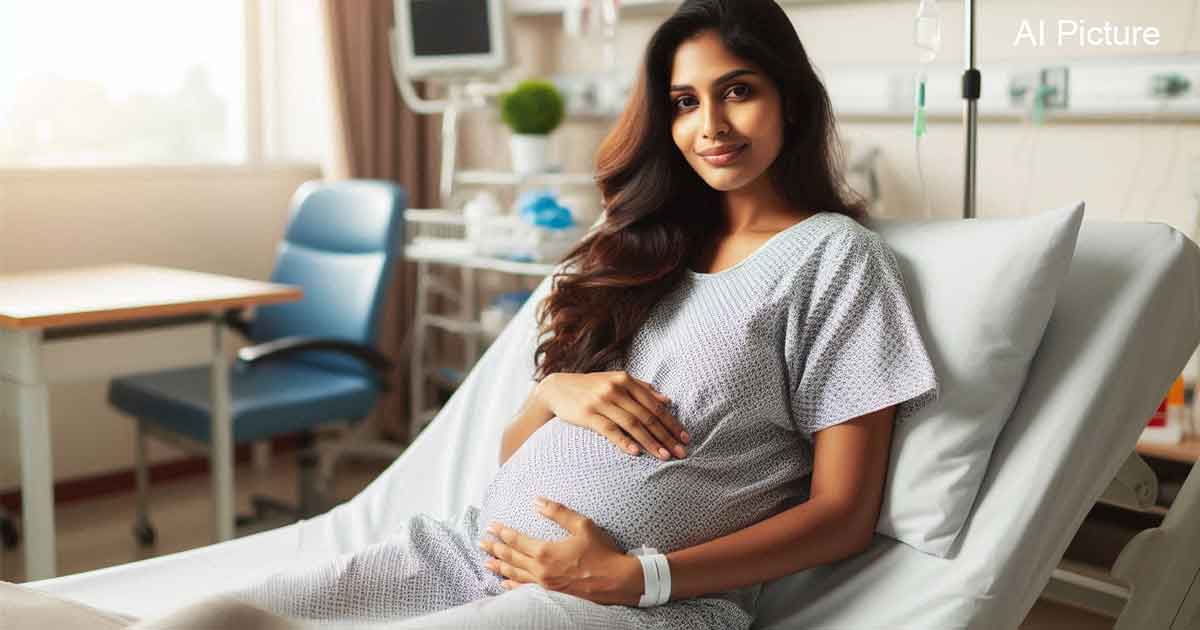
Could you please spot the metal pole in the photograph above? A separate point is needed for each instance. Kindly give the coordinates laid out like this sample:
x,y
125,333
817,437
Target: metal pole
x,y
971,85
449,147
416,360
220,453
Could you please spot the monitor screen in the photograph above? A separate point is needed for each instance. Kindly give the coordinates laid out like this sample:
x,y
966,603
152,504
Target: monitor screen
x,y
450,27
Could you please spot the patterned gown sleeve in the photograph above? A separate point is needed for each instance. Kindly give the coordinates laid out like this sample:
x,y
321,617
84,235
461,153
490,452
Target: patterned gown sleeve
x,y
861,349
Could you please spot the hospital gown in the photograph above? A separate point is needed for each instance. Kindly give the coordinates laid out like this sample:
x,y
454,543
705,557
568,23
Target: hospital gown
x,y
810,330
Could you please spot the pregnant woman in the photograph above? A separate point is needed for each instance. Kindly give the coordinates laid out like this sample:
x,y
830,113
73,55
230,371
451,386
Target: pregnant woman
x,y
719,368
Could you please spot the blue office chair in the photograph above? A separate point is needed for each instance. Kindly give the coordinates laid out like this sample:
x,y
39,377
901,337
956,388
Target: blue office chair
x,y
313,361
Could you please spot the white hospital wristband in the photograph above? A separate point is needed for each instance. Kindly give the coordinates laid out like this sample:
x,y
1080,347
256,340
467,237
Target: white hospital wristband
x,y
656,573
664,578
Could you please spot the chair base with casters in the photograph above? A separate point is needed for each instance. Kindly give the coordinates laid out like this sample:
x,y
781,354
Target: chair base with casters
x,y
270,396
268,512
361,440
171,408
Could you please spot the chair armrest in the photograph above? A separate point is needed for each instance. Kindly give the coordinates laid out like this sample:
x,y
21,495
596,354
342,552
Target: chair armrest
x,y
236,320
289,346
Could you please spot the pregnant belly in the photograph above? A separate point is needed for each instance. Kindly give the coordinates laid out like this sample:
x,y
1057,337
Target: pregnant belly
x,y
638,500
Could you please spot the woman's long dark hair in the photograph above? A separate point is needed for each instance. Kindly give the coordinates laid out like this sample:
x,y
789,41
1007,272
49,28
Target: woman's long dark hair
x,y
658,211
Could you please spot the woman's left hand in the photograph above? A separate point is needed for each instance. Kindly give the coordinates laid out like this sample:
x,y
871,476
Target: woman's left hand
x,y
586,564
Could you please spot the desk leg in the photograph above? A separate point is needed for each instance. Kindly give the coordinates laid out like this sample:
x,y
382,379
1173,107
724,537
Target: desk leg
x,y
221,449
37,483
32,414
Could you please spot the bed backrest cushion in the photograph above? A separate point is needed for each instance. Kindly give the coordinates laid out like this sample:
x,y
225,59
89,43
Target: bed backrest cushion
x,y
982,291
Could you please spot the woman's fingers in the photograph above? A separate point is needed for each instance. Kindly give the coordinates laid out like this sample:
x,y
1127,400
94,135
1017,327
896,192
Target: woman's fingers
x,y
671,432
658,402
516,574
657,395
635,428
635,406
521,550
624,430
502,551
529,546
613,432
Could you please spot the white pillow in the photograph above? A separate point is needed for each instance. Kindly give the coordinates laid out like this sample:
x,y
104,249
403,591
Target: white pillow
x,y
981,291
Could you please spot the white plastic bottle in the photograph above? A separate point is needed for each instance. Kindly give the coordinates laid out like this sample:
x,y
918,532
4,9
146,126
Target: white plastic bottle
x,y
478,213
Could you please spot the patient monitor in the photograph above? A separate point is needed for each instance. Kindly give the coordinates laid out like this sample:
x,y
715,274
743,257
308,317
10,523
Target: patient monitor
x,y
460,41
450,37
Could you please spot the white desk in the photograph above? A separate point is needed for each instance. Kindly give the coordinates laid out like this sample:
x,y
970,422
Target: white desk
x,y
101,322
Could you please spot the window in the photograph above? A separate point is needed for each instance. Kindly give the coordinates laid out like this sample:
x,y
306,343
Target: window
x,y
296,108
158,82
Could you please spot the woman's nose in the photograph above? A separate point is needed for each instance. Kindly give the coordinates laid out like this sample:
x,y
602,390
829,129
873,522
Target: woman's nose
x,y
714,123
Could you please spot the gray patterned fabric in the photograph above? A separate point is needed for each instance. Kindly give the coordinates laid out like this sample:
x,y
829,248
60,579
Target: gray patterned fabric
x,y
812,329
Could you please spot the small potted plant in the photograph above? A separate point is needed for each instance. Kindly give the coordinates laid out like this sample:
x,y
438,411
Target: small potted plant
x,y
532,110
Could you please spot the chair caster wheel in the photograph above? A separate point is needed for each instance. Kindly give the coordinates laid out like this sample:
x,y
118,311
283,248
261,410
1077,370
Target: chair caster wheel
x,y
144,534
8,534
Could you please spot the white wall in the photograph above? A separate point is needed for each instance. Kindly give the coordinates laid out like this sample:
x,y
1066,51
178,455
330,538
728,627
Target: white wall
x,y
1096,162
1120,168
221,220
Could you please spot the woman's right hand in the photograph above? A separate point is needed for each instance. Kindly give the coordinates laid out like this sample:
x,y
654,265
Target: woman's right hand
x,y
626,410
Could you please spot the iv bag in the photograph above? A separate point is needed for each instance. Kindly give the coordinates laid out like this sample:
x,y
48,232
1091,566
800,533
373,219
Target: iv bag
x,y
597,21
927,30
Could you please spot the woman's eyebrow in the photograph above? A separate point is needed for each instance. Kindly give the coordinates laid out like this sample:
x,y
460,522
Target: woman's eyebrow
x,y
732,74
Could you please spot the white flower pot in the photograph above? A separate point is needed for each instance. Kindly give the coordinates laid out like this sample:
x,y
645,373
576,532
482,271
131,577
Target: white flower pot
x,y
530,153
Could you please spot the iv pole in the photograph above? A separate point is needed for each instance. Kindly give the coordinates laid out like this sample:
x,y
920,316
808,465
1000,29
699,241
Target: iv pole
x,y
971,84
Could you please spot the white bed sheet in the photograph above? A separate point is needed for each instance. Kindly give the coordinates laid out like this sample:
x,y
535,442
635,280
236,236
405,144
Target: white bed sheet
x,y
1125,323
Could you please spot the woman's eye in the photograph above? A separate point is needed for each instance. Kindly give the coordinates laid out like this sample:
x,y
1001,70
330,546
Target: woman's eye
x,y
679,101
745,89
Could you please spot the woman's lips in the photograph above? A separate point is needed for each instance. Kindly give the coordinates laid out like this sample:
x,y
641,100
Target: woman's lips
x,y
725,159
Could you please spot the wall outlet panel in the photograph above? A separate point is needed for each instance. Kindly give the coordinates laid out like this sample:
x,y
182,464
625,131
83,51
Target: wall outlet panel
x,y
595,93
1095,88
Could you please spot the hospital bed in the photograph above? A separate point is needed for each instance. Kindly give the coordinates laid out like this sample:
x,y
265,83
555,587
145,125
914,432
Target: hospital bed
x,y
1126,320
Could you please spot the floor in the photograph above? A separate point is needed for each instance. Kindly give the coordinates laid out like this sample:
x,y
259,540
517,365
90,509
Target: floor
x,y
96,533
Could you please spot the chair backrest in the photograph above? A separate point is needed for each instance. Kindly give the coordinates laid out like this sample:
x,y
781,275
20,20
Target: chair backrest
x,y
341,243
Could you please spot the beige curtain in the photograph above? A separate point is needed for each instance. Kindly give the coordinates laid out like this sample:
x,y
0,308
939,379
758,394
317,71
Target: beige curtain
x,y
376,136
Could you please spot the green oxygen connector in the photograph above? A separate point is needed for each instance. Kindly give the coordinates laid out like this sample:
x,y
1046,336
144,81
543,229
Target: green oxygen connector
x,y
1170,85
919,114
1039,102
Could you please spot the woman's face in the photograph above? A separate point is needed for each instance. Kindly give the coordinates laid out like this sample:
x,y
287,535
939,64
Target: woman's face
x,y
721,101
